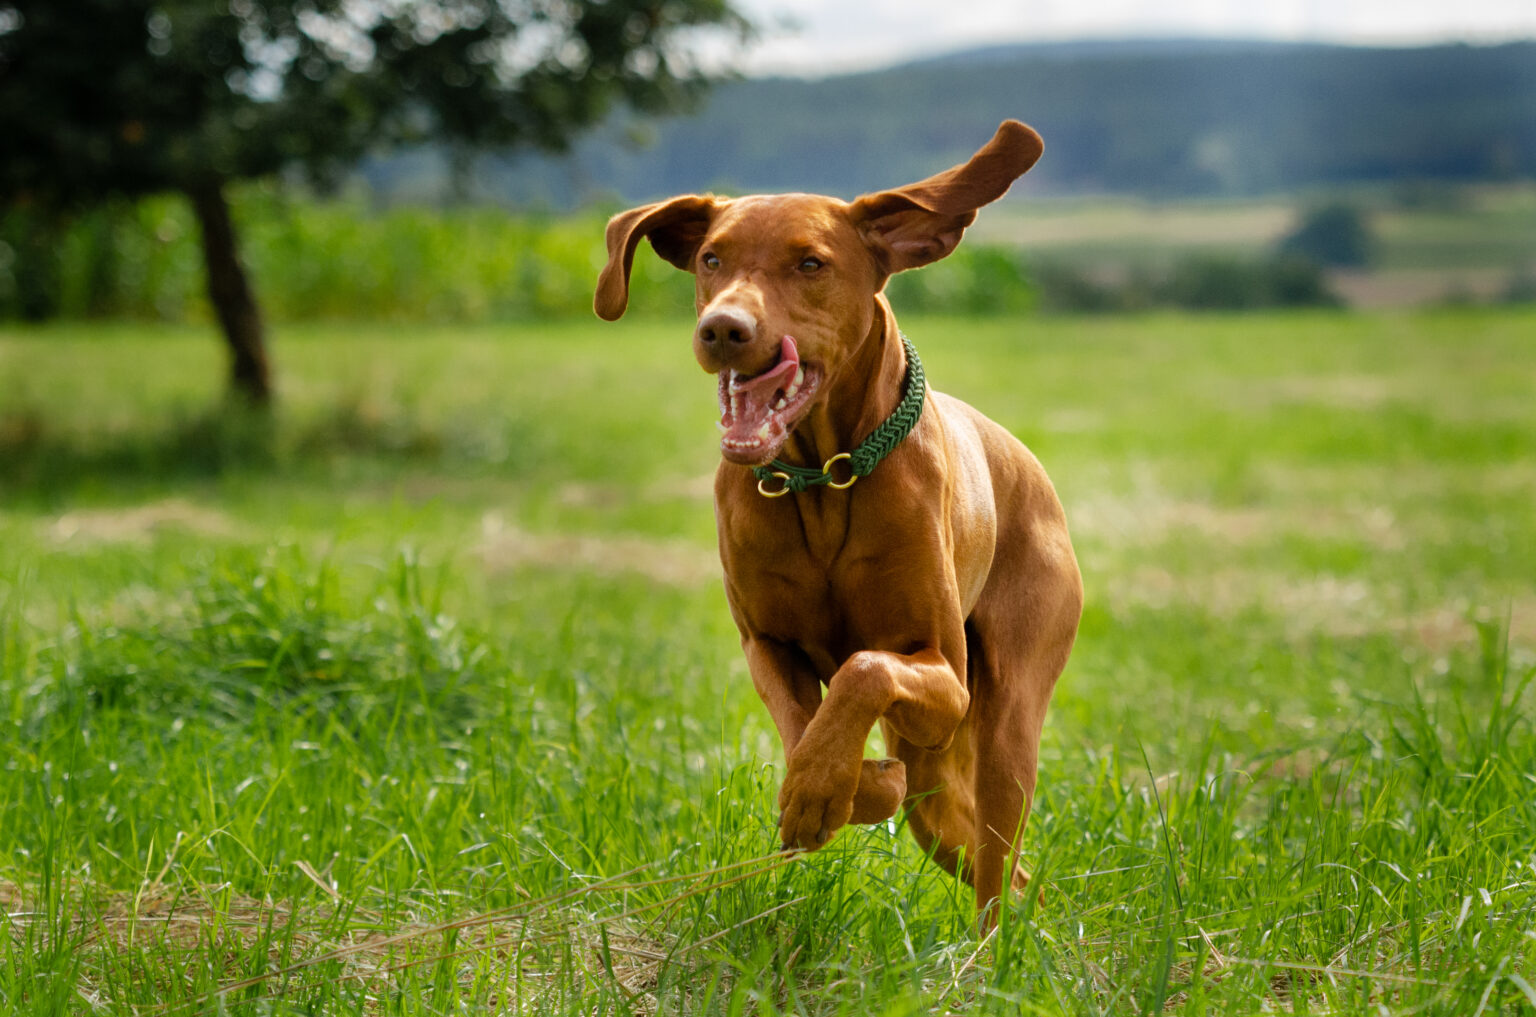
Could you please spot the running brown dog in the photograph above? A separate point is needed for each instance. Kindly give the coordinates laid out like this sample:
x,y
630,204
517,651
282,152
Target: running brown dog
x,y
938,595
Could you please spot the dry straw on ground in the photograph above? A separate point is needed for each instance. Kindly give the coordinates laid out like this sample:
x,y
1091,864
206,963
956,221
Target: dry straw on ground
x,y
593,935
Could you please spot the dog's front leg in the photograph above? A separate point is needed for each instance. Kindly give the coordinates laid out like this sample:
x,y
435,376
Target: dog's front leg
x,y
786,685
922,697
790,689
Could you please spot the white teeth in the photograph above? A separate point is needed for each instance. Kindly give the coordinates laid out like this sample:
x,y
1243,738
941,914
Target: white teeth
x,y
783,402
794,386
764,431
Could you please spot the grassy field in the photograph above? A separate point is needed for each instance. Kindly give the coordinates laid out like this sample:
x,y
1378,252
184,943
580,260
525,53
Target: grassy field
x,y
425,700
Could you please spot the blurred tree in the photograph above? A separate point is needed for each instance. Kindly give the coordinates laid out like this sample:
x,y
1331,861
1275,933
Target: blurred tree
x,y
1335,234
127,97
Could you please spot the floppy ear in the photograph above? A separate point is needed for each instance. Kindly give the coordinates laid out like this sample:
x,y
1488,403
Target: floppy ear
x,y
922,222
675,227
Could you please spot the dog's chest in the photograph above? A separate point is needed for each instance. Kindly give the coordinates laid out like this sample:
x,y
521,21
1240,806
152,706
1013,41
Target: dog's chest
x,y
829,589
811,609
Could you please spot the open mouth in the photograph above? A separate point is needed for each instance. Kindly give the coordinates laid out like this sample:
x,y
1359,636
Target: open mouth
x,y
757,411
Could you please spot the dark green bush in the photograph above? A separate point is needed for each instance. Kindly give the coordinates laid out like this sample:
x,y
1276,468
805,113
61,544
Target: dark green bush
x,y
1068,289
1199,282
1216,283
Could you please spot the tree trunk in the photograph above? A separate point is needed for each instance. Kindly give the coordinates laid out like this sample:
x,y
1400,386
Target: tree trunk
x,y
231,295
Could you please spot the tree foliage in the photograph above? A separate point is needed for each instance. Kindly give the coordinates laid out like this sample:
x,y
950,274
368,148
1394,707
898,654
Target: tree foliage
x,y
104,97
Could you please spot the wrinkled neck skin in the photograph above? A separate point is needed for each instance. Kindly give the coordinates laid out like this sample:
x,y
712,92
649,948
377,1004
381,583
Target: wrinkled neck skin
x,y
865,389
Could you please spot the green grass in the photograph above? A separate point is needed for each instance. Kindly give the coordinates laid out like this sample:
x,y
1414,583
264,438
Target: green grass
x,y
424,699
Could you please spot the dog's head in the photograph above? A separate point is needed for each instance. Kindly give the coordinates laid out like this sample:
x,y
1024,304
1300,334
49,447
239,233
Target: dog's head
x,y
785,284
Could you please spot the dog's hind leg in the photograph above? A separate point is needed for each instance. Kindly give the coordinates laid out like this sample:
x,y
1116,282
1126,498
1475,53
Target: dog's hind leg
x,y
1018,639
1007,732
968,803
940,798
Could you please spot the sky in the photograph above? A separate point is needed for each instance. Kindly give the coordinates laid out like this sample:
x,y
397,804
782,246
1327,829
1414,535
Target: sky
x,y
840,35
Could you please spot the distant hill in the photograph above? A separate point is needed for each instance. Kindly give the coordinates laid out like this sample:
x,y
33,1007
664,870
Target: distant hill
x,y
1157,118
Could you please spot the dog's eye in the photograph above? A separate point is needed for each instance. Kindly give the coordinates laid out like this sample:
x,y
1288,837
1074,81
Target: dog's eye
x,y
810,265
710,261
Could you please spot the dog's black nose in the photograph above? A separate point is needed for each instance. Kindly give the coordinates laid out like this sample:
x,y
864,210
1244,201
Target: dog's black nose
x,y
726,325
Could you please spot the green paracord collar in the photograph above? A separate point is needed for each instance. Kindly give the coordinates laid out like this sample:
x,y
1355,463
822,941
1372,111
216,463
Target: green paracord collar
x,y
862,460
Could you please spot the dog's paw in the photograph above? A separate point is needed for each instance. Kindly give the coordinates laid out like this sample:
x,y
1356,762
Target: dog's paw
x,y
882,786
815,801
1021,881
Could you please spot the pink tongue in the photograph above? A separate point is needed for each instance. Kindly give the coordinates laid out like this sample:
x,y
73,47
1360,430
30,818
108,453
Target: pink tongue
x,y
751,399
762,387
